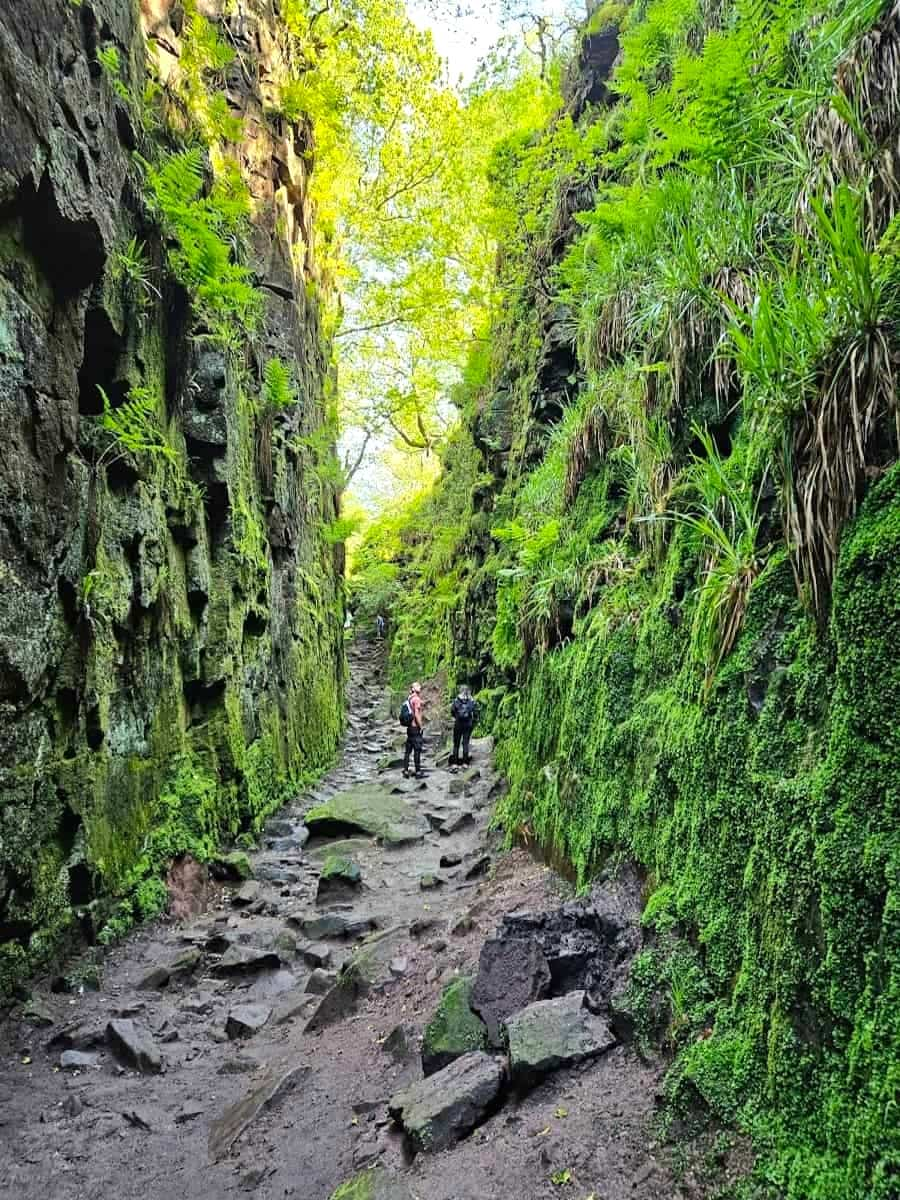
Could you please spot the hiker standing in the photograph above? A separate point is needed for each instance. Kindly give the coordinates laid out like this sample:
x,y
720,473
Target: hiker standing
x,y
379,626
411,716
464,710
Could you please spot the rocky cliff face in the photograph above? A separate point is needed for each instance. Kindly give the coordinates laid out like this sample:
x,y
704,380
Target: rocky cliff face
x,y
170,607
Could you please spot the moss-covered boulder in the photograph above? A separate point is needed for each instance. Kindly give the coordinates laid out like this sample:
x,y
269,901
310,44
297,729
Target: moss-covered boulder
x,y
454,1029
551,1034
339,876
368,808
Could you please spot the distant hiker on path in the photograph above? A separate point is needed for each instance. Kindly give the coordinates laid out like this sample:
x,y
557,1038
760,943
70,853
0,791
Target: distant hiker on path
x,y
464,710
379,625
411,716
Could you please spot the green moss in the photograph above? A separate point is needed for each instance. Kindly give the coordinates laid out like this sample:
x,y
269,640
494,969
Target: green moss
x,y
454,1029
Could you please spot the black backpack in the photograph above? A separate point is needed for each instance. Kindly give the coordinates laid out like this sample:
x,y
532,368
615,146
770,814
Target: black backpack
x,y
466,711
406,714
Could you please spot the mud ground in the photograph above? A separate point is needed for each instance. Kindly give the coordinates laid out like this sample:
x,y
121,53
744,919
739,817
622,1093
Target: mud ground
x,y
111,1132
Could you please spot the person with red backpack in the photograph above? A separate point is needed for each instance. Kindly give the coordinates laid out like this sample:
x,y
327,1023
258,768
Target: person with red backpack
x,y
411,715
464,711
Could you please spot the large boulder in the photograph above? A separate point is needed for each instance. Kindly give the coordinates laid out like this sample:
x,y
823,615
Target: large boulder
x,y
368,808
554,1033
512,973
436,1112
454,1029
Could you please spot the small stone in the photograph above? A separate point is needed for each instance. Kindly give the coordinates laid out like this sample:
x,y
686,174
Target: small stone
x,y
200,1005
286,945
155,980
428,881
296,1003
279,827
275,873
38,1014
315,956
132,1009
421,925
78,1060
398,966
246,1019
73,1106
479,867
189,1112
320,981
247,893
455,823
397,1044
450,860
134,1046
186,963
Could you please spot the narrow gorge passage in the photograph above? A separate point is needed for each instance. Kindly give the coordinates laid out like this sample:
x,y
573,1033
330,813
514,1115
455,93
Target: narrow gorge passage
x,y
156,1081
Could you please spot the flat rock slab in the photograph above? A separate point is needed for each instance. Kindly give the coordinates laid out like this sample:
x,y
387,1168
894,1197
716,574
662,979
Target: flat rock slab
x,y
78,1060
368,808
225,1131
376,1184
512,973
246,1019
246,960
436,1112
457,822
551,1034
134,1046
333,925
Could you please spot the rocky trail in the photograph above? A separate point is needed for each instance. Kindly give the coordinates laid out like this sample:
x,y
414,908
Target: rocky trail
x,y
273,1043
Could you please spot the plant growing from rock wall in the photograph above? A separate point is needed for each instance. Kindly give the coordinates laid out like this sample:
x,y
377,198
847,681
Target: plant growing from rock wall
x,y
131,268
135,428
111,66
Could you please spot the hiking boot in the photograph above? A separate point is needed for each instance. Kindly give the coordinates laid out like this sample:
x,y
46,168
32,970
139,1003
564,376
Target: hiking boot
x,y
405,773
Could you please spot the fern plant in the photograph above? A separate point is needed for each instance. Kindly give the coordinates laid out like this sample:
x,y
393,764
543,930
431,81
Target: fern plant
x,y
111,66
135,428
278,392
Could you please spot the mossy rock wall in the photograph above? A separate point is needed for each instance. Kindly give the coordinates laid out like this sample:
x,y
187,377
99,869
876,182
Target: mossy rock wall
x,y
171,652
754,782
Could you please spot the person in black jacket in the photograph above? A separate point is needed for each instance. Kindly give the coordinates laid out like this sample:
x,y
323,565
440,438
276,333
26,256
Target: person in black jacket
x,y
464,711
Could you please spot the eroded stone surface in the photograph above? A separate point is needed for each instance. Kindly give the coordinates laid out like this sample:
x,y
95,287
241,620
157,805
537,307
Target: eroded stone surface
x,y
439,1110
550,1034
512,972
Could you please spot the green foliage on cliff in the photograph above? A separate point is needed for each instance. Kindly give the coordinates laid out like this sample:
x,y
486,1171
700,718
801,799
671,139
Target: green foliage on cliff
x,y
677,589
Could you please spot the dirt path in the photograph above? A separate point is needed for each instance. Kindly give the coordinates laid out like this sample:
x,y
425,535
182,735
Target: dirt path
x,y
104,1129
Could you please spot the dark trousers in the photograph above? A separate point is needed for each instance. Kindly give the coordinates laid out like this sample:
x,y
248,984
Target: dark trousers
x,y
414,747
461,733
